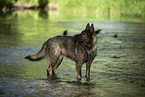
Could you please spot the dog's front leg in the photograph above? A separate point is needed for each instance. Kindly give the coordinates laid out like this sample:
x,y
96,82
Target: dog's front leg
x,y
78,70
88,65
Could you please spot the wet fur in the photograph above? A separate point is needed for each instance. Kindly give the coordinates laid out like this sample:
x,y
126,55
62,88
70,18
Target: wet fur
x,y
81,48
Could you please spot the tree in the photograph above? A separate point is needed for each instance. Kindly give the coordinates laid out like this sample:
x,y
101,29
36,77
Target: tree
x,y
43,3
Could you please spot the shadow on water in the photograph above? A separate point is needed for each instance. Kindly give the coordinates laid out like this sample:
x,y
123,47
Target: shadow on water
x,y
8,23
55,79
43,14
83,88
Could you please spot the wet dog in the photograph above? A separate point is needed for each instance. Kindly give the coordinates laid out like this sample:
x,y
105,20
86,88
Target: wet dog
x,y
81,48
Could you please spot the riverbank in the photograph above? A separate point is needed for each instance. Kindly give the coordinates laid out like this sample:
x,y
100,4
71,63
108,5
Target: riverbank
x,y
26,6
133,8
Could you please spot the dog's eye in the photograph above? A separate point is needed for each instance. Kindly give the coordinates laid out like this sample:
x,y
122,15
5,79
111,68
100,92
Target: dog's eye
x,y
84,33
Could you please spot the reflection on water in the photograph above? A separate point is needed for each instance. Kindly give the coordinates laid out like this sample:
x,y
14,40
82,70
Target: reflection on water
x,y
118,70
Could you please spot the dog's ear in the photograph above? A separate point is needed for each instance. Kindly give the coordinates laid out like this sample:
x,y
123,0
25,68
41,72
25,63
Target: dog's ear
x,y
92,30
97,31
88,26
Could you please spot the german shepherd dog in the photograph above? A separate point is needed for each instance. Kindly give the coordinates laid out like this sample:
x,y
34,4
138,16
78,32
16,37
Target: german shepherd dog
x,y
81,48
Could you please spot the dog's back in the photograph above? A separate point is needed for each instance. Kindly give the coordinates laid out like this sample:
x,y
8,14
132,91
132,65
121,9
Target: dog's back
x,y
81,48
61,45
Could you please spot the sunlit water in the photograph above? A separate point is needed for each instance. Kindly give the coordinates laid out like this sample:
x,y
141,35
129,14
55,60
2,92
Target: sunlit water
x,y
118,69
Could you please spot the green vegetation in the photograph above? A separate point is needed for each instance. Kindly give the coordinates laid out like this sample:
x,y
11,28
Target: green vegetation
x,y
7,3
10,3
31,2
43,3
96,7
118,7
34,2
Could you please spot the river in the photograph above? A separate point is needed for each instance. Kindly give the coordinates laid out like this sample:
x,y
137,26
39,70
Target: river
x,y
118,69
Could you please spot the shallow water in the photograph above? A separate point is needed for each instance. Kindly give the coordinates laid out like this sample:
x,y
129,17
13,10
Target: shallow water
x,y
118,69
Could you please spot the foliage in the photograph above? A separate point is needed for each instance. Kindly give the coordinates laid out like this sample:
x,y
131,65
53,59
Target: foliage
x,y
105,7
123,7
34,2
43,3
7,3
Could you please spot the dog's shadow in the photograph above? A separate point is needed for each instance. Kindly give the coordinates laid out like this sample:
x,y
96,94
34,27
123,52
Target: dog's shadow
x,y
53,79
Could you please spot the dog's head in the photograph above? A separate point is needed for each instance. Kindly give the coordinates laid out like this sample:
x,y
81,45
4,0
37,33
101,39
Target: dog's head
x,y
86,35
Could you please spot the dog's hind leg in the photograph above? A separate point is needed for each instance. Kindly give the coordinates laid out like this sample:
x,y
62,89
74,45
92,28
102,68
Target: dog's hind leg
x,y
49,69
52,62
53,65
54,53
54,69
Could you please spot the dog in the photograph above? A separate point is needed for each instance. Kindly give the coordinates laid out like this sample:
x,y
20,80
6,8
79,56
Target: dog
x,y
81,48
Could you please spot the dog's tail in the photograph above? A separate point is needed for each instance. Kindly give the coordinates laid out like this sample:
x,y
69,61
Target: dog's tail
x,y
40,55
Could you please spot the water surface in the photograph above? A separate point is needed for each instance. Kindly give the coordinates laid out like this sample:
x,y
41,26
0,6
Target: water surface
x,y
118,69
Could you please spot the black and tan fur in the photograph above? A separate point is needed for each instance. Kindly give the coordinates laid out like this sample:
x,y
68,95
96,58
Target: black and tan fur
x,y
81,48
